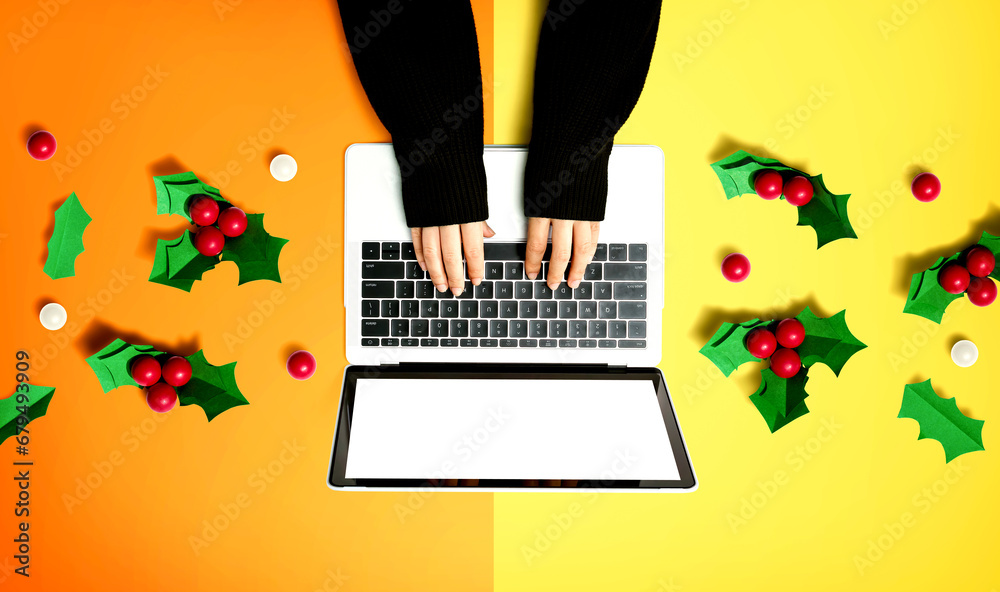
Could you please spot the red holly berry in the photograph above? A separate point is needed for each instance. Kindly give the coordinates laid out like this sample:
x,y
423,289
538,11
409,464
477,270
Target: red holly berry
x,y
203,210
41,145
761,343
926,187
798,191
980,261
790,333
177,371
301,365
982,291
735,267
145,370
953,278
161,397
767,184
785,363
232,221
209,241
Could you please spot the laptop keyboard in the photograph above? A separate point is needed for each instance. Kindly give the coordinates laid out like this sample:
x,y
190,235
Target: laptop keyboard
x,y
401,308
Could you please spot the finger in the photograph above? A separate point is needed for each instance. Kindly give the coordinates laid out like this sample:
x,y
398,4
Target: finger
x,y
487,231
583,252
472,245
562,248
432,257
451,254
418,247
538,238
595,231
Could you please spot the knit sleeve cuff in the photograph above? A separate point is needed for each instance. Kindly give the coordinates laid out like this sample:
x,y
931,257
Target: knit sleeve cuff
x,y
566,184
442,187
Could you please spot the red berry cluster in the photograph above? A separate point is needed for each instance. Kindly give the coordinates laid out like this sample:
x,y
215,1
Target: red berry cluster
x,y
769,185
214,225
763,343
971,278
161,395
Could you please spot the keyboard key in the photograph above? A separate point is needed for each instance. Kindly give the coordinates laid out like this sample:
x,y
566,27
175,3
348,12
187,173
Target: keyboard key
x,y
588,310
409,342
607,343
563,292
369,341
557,329
467,292
632,343
484,291
617,252
528,343
469,343
439,328
449,309
409,254
382,270
503,290
542,291
369,308
390,308
617,329
567,343
428,342
425,290
601,254
538,328
588,343
637,329
508,309
607,309
630,290
578,329
405,289
522,290
514,270
370,251
390,251
470,309
519,328
603,291
419,327
567,310
508,343
488,343
489,309
494,270
585,291
449,343
625,271
548,343
631,310
460,328
598,329
400,327
637,252
498,328
529,309
479,328
429,309
390,342
376,289
593,272
413,271
409,309
548,310
375,328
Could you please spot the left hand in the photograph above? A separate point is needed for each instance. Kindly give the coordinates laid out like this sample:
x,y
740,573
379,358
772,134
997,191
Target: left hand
x,y
573,243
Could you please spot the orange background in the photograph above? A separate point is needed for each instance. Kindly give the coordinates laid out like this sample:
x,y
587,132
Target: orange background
x,y
226,71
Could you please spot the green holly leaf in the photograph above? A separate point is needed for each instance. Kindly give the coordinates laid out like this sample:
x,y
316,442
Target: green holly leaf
x,y
828,340
780,400
160,273
15,415
825,212
255,252
66,242
941,420
927,298
178,263
726,348
111,364
174,191
213,388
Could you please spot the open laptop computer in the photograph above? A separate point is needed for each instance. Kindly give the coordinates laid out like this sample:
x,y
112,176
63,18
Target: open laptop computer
x,y
511,385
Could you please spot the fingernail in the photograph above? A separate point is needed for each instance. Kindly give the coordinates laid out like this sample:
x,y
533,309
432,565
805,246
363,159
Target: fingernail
x,y
532,275
422,266
442,287
477,281
458,291
553,286
574,283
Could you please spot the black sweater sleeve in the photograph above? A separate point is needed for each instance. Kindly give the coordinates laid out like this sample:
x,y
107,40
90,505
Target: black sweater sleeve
x,y
418,61
592,62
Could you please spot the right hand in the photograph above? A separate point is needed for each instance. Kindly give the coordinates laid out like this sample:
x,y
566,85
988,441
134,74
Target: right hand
x,y
439,252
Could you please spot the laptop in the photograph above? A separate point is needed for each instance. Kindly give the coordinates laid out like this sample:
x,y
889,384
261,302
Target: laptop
x,y
511,385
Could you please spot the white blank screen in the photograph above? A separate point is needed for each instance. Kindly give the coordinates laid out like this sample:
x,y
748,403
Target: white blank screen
x,y
508,429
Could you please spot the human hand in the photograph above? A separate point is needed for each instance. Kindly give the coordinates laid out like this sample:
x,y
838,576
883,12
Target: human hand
x,y
439,252
569,237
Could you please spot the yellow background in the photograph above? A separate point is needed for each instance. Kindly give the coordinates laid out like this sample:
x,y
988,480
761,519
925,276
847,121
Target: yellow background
x,y
864,92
